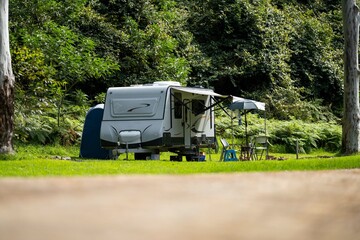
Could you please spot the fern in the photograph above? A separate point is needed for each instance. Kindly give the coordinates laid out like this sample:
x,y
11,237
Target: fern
x,y
285,135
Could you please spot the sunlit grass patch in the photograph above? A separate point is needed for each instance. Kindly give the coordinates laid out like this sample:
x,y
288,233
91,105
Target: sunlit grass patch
x,y
32,161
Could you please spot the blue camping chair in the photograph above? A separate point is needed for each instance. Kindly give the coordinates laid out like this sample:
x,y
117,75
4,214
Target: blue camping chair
x,y
226,153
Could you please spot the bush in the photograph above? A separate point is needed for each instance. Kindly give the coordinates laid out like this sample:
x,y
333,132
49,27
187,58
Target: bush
x,y
45,124
310,136
283,135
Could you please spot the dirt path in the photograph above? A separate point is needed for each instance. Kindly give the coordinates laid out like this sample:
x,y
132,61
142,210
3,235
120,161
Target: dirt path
x,y
285,205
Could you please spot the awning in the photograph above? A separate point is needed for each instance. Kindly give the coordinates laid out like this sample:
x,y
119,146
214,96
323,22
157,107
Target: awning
x,y
200,91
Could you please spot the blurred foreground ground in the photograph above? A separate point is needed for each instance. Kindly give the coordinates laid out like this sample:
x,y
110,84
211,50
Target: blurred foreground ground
x,y
283,205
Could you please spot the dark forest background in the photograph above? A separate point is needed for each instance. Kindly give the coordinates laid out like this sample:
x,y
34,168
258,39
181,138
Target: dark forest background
x,y
65,54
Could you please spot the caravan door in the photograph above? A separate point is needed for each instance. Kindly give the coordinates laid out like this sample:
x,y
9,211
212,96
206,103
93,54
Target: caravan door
x,y
178,117
196,121
181,119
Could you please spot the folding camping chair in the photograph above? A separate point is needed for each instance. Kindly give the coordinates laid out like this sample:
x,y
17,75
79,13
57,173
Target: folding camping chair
x,y
260,145
227,154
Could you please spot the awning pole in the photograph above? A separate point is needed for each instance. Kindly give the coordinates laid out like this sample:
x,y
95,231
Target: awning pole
x,y
246,136
265,123
232,128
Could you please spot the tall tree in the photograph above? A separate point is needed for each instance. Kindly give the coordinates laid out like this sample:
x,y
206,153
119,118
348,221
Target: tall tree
x,y
351,118
7,80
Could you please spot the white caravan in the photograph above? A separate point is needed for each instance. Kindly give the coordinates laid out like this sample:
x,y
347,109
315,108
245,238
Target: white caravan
x,y
159,117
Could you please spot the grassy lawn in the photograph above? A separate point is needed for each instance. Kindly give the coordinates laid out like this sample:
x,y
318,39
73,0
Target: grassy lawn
x,y
31,161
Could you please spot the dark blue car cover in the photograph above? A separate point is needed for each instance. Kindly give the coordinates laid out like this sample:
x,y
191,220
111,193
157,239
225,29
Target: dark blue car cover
x,y
90,142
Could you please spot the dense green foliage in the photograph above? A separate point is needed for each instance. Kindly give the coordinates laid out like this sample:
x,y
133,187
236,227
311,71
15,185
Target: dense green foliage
x,y
285,53
283,135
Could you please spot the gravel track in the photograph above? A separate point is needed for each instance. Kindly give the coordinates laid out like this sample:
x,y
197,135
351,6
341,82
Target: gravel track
x,y
282,205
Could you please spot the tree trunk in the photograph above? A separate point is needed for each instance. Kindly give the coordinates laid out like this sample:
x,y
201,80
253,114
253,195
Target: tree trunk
x,y
7,80
351,118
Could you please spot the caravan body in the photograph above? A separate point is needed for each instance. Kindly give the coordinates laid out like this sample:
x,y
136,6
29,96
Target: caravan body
x,y
158,117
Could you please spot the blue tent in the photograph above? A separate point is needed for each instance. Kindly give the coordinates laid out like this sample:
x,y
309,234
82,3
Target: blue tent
x,y
90,142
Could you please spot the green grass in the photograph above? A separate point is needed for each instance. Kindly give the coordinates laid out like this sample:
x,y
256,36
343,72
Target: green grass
x,y
33,161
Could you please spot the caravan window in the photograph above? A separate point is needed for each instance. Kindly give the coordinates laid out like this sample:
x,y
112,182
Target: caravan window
x,y
127,107
198,107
